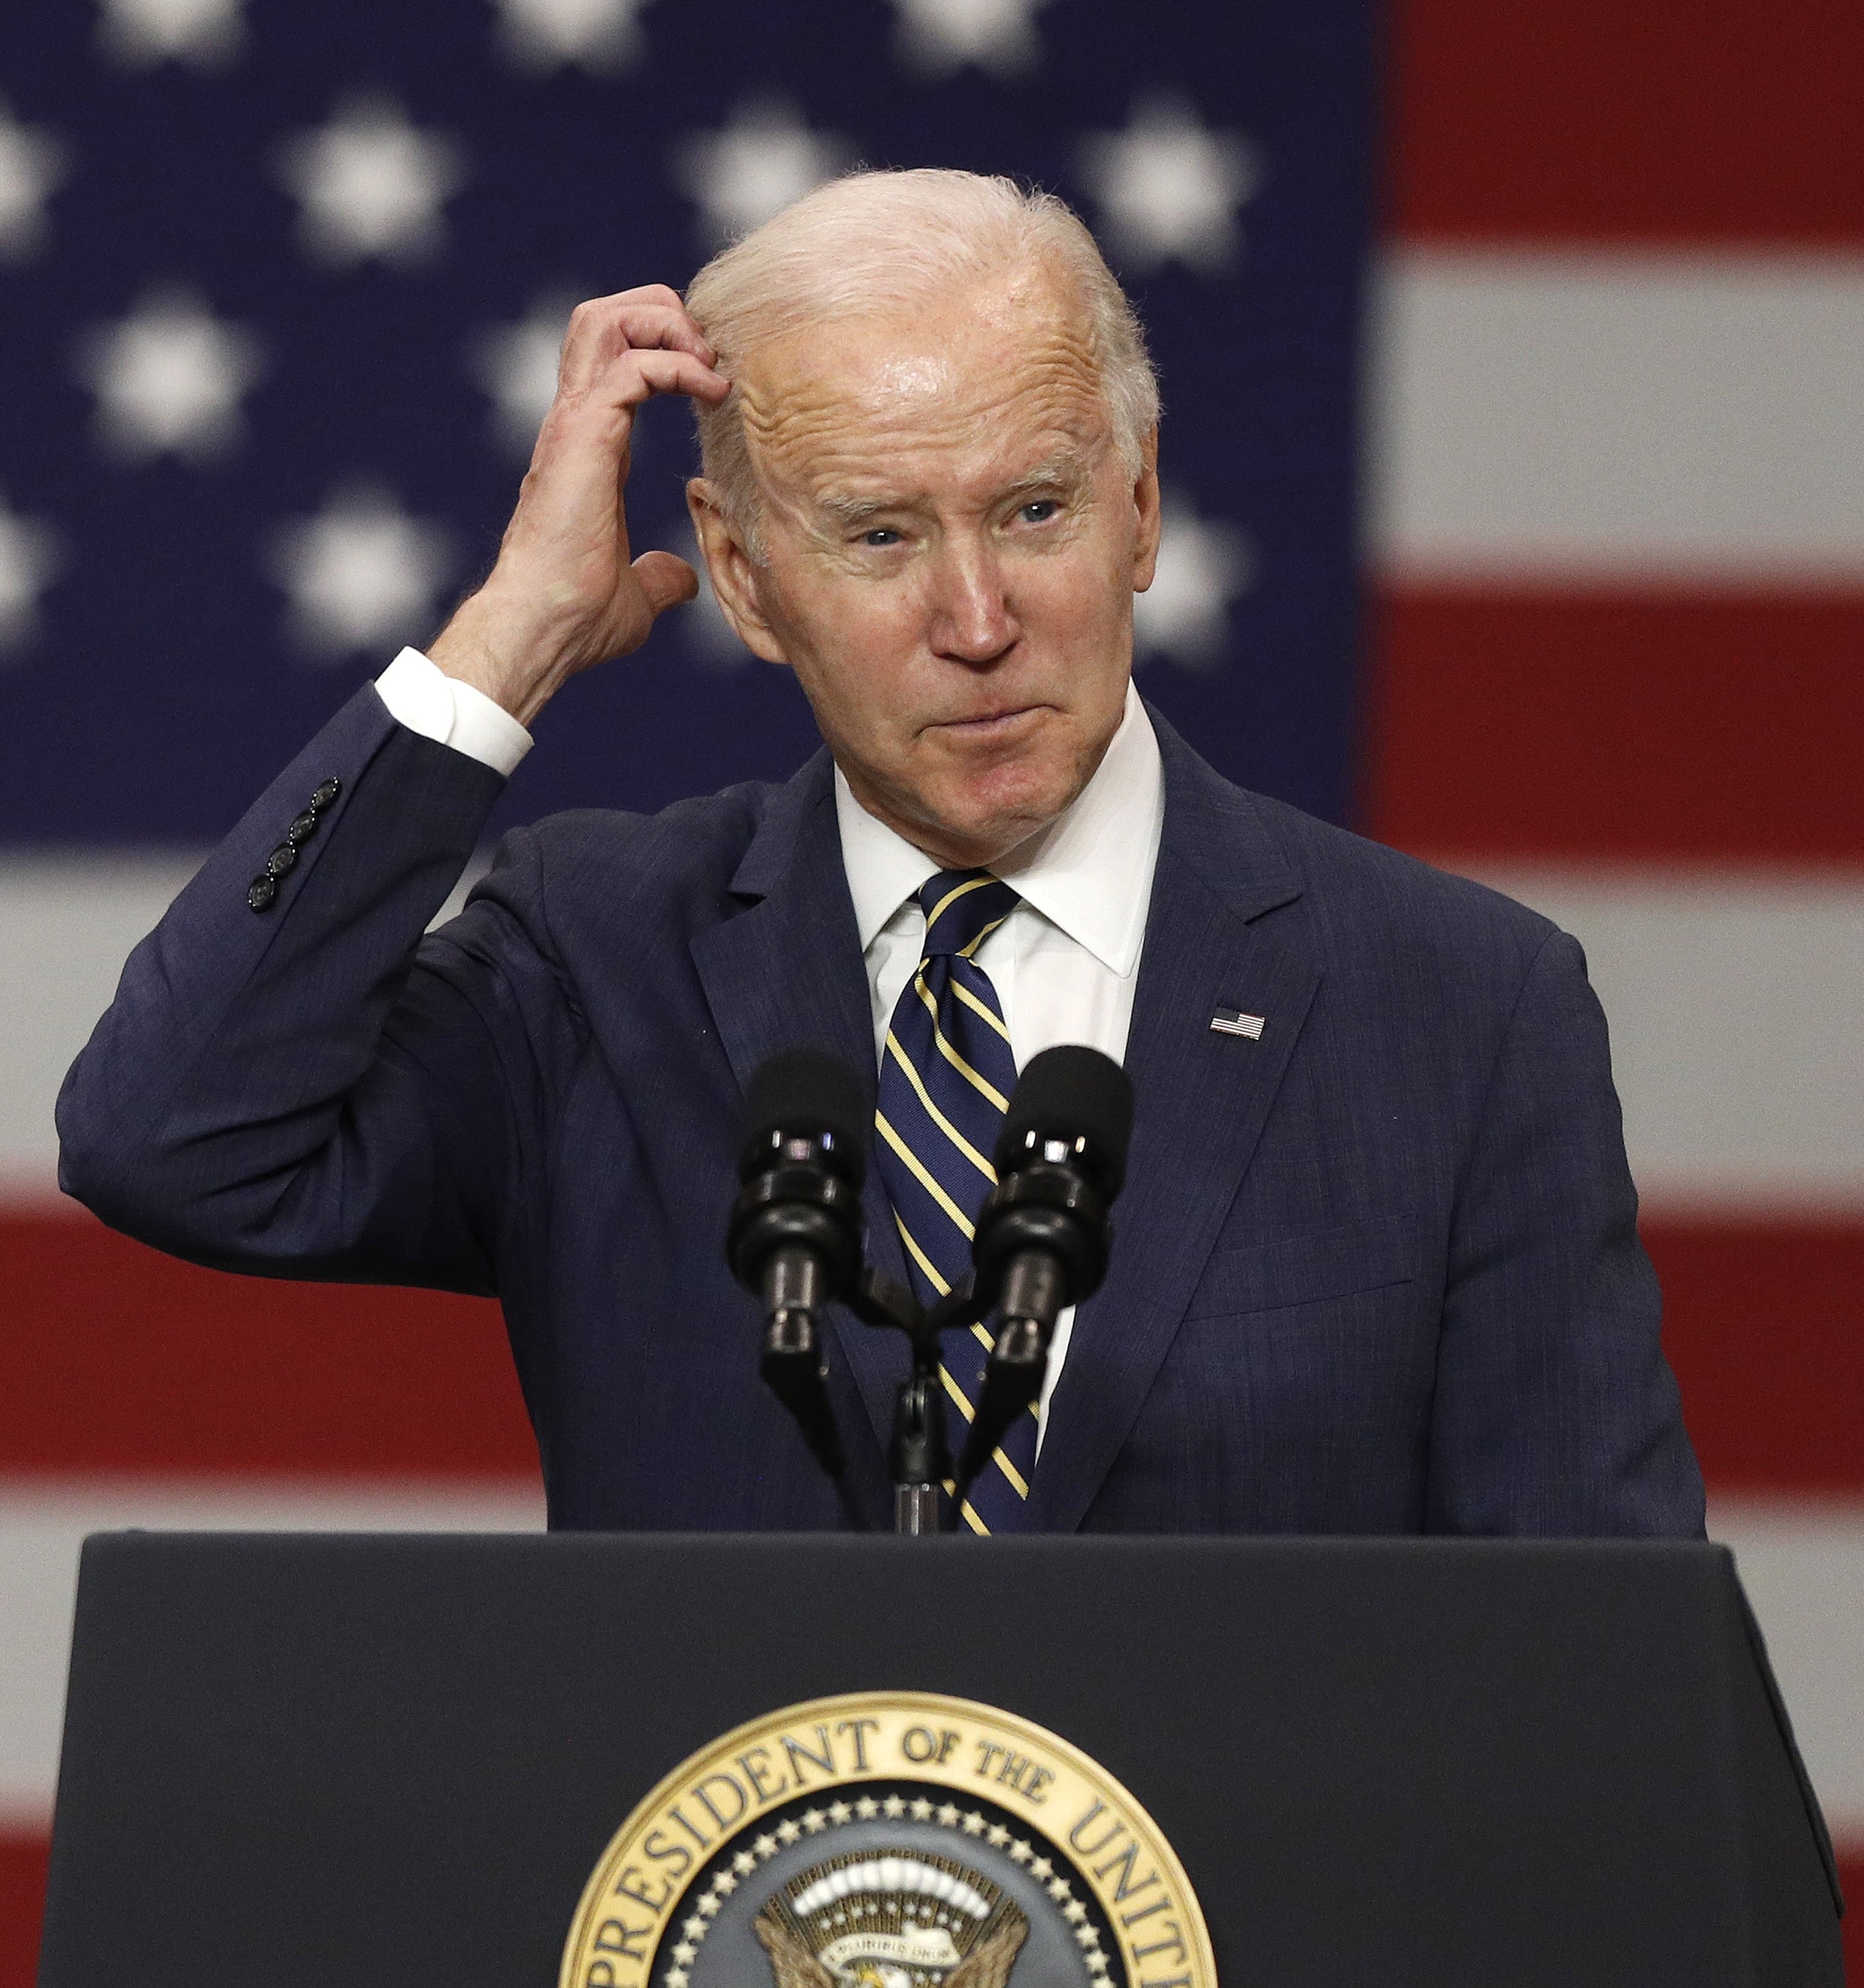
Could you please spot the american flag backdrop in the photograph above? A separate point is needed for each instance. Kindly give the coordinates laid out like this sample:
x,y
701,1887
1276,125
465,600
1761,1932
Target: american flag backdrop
x,y
1548,323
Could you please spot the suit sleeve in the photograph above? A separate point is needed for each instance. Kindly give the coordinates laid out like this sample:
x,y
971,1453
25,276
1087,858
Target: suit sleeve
x,y
293,1081
1555,1412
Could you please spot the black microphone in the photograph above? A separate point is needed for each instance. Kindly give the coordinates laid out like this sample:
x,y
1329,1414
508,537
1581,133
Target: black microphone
x,y
794,1238
1043,1235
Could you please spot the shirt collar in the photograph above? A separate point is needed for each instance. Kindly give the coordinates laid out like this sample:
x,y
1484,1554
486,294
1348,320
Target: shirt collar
x,y
1089,872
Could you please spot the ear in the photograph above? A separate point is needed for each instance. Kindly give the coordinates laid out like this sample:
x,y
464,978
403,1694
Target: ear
x,y
1148,523
733,573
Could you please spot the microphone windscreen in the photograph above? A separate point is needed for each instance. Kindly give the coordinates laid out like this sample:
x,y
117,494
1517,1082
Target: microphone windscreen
x,y
1077,1094
808,1094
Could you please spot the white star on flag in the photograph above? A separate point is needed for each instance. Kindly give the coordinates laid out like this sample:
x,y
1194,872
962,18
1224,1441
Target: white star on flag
x,y
766,157
169,379
141,33
937,37
1204,565
1169,189
370,184
30,557
361,575
516,366
32,165
600,36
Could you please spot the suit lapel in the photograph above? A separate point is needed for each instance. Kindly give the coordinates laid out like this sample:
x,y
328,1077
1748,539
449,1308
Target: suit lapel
x,y
786,973
1201,1100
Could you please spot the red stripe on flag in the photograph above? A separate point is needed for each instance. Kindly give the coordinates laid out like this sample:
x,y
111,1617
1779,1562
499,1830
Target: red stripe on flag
x,y
1761,1322
23,1904
1724,121
124,1359
1654,726
129,1361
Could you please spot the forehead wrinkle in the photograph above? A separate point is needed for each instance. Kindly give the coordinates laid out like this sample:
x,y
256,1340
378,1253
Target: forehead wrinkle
x,y
899,397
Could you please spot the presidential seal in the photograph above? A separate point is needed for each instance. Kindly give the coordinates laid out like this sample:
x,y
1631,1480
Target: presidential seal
x,y
889,1840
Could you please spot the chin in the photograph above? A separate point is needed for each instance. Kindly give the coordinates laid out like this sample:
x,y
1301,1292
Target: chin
x,y
1004,808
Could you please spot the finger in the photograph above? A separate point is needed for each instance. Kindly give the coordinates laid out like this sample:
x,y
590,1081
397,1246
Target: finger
x,y
649,325
647,293
600,329
582,448
592,428
666,580
635,375
617,322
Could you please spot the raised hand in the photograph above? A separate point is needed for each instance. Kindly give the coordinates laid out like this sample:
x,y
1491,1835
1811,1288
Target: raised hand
x,y
565,592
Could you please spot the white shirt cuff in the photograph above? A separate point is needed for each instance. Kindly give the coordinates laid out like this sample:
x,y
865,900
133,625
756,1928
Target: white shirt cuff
x,y
421,696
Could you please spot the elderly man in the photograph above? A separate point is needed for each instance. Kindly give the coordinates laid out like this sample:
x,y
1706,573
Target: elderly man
x,y
1377,1267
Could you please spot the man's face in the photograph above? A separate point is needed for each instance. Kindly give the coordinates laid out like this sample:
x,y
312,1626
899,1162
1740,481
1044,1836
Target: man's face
x,y
951,547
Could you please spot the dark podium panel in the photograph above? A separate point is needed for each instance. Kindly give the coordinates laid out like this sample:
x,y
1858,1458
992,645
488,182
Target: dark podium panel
x,y
350,1762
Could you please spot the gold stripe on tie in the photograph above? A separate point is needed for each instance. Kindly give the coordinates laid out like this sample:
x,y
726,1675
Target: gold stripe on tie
x,y
979,1009
952,896
976,1524
965,952
951,1055
924,1262
1018,1483
960,1219
938,1117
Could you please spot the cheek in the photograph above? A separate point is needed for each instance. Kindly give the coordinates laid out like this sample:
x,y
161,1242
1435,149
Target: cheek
x,y
858,652
1073,602
860,628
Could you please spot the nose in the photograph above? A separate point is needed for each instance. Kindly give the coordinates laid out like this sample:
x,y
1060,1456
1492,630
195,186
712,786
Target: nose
x,y
972,619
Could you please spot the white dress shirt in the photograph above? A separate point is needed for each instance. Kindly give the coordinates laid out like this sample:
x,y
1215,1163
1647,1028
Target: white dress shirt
x,y
1065,963
421,696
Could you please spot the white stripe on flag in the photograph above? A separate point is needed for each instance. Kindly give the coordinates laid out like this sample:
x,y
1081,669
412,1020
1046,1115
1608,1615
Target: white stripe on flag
x,y
67,924
1736,1003
1588,415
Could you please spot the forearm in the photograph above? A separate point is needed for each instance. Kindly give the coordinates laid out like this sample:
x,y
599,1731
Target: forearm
x,y
235,1102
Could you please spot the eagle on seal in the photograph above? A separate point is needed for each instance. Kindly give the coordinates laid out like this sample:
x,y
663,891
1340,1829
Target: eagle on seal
x,y
987,1966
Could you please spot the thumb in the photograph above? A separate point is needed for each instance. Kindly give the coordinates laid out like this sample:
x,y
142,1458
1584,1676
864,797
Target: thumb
x,y
665,580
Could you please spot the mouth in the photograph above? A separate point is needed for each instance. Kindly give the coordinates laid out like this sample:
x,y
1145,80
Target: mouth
x,y
987,726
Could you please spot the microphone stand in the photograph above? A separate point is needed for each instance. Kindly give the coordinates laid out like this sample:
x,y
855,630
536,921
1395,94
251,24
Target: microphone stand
x,y
919,1458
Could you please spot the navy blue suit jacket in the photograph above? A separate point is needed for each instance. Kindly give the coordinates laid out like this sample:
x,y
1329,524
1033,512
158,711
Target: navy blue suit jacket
x,y
1376,1272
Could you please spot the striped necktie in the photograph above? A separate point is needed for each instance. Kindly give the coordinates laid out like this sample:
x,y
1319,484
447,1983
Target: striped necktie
x,y
946,1076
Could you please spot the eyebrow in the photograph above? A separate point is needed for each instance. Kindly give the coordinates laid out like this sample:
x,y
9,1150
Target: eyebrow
x,y
1063,471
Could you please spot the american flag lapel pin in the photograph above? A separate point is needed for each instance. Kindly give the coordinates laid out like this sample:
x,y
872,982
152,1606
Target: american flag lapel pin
x,y
1233,1022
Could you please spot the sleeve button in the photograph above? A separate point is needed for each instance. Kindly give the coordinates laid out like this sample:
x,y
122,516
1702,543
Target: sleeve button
x,y
303,828
326,795
281,861
261,891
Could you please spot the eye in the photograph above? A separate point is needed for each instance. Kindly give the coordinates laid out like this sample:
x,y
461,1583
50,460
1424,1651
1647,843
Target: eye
x,y
1040,511
881,538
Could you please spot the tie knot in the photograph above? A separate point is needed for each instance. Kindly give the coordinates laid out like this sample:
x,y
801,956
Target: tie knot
x,y
960,906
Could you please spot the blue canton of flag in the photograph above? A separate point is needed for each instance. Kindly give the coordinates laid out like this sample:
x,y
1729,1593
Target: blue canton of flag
x,y
283,287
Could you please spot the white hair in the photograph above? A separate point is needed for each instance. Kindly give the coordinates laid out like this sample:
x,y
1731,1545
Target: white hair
x,y
872,241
